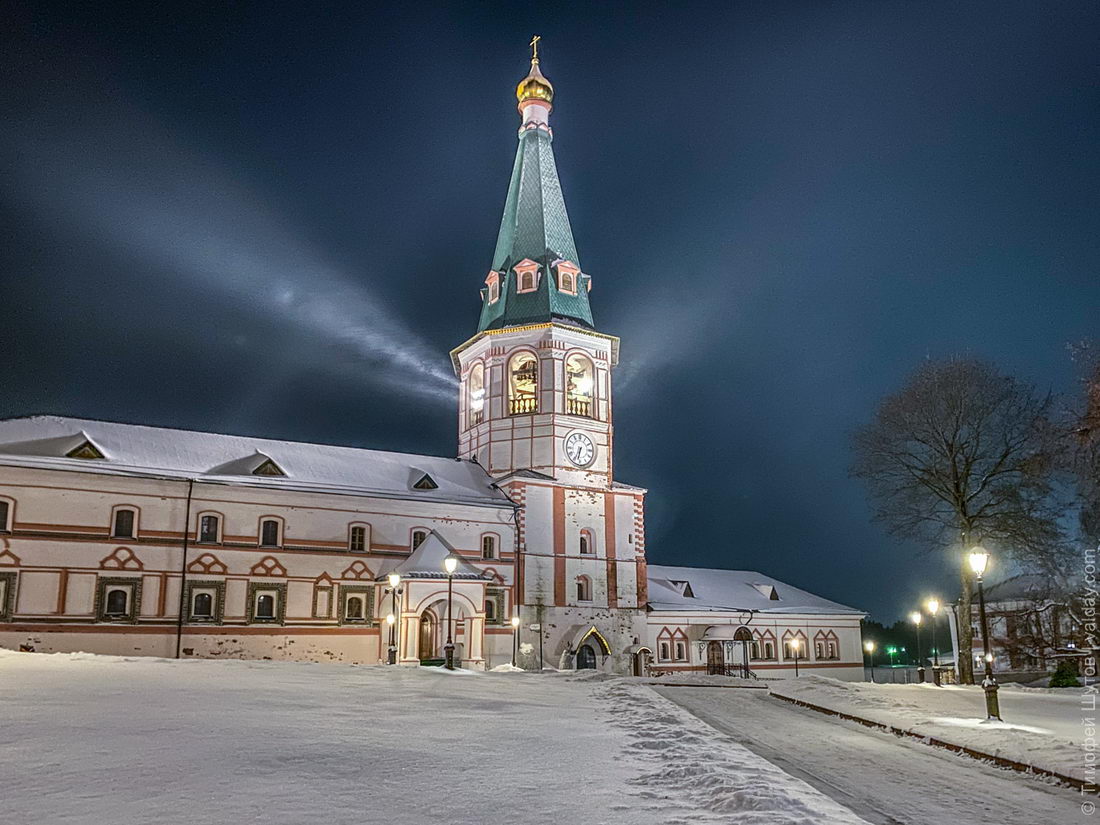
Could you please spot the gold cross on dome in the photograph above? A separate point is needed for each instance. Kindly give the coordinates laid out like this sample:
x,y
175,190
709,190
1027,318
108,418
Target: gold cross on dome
x,y
535,47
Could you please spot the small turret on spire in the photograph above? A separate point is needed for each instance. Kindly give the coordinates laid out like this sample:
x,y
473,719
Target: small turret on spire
x,y
535,93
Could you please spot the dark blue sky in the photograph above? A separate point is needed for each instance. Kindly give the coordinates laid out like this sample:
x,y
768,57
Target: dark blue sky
x,y
275,222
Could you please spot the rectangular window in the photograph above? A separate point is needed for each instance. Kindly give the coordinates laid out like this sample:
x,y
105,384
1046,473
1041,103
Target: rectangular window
x,y
4,512
266,602
357,606
117,599
488,547
269,533
124,524
7,596
358,540
208,529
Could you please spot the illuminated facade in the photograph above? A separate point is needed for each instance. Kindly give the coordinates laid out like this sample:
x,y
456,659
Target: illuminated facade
x,y
117,538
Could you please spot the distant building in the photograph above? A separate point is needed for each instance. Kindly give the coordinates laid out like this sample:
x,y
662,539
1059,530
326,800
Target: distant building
x,y
127,539
1032,625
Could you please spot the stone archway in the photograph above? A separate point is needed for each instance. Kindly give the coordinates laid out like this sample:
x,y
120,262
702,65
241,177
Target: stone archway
x,y
586,657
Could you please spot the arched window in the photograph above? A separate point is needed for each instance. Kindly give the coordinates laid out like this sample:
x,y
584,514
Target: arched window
x,y
123,528
488,547
490,610
353,608
203,606
494,290
527,281
208,529
118,601
269,533
579,384
587,546
664,655
357,539
476,384
756,650
832,650
584,589
418,537
265,606
523,384
818,654
769,650
567,283
681,652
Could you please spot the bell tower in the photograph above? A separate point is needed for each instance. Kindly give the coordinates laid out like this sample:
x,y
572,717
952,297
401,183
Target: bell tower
x,y
535,410
536,377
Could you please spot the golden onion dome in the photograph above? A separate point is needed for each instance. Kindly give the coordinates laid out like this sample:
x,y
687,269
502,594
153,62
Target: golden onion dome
x,y
535,86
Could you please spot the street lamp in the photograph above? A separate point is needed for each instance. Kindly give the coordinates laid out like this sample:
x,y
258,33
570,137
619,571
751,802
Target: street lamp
x,y
933,607
391,620
515,638
796,643
870,648
891,651
978,561
450,564
915,617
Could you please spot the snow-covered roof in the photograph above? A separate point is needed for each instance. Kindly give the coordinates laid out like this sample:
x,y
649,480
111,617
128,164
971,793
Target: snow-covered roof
x,y
708,589
132,449
426,561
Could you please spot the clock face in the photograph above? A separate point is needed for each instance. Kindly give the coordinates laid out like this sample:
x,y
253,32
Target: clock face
x,y
580,449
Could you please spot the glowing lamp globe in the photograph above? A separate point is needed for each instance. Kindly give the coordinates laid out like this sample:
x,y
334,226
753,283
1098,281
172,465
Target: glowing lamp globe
x,y
515,621
933,606
394,579
390,619
915,617
869,647
978,558
450,564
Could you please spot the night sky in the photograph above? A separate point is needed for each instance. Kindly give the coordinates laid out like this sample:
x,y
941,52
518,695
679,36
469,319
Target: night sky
x,y
276,221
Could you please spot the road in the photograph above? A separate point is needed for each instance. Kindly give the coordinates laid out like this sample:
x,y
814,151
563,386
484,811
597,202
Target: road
x,y
882,778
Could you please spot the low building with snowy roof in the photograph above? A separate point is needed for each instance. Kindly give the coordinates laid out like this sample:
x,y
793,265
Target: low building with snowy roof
x,y
740,622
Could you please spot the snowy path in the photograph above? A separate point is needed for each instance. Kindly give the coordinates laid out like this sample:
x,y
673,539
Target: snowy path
x,y
886,780
86,740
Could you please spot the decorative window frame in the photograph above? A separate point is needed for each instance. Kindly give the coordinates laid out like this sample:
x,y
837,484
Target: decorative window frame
x,y
586,538
496,595
830,645
583,583
525,268
762,640
593,404
493,284
8,580
198,527
568,277
258,588
366,591
8,522
676,640
218,587
280,531
803,643
366,536
136,531
133,605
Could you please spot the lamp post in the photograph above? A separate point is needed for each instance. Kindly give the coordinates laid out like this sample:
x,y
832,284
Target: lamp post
x,y
915,617
978,561
391,619
933,607
450,564
796,643
515,638
870,648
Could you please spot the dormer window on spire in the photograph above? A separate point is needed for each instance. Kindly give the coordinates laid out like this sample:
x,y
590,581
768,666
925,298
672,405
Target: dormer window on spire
x,y
568,274
527,276
492,281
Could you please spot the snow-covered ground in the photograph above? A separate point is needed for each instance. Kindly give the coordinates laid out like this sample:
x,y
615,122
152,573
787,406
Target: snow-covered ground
x,y
91,739
1042,726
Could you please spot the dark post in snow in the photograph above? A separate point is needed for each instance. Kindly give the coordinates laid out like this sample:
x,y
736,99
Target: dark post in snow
x,y
450,564
978,560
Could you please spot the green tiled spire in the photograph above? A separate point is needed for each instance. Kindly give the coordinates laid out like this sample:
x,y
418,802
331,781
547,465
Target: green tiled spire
x,y
535,226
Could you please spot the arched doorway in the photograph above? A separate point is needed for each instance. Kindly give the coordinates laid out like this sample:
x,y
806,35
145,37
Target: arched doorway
x,y
716,659
427,636
642,657
586,657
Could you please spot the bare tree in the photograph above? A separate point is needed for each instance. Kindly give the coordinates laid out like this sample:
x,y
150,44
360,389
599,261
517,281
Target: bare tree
x,y
965,455
1085,446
